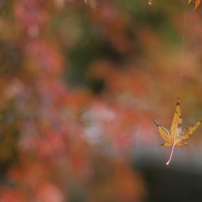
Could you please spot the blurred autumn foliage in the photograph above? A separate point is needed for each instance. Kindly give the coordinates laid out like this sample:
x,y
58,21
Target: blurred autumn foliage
x,y
79,82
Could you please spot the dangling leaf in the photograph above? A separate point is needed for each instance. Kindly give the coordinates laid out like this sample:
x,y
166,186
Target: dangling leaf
x,y
197,2
177,136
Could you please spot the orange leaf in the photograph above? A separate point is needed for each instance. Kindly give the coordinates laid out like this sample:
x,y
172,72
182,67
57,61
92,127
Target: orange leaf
x,y
176,136
197,2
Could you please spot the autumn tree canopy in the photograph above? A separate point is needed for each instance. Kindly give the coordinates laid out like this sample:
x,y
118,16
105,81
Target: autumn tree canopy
x,y
79,83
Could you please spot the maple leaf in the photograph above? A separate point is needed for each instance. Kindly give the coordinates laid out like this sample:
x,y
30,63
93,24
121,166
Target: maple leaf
x,y
176,136
197,2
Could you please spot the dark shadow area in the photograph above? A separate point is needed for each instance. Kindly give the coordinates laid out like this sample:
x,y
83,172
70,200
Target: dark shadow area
x,y
168,185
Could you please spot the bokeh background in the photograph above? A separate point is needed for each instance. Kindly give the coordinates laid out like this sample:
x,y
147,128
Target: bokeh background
x,y
79,82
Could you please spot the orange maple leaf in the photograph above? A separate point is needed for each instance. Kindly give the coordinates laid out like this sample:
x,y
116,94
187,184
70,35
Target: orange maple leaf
x,y
177,136
197,2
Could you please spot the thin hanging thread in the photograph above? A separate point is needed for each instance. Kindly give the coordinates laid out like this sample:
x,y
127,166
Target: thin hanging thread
x,y
182,52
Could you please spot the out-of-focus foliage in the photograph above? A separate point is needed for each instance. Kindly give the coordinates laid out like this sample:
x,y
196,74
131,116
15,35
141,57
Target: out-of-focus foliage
x,y
79,81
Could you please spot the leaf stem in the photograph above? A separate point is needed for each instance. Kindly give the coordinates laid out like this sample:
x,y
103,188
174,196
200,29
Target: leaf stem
x,y
171,154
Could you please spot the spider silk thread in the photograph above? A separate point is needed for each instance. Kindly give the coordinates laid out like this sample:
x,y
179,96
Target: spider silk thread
x,y
182,51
